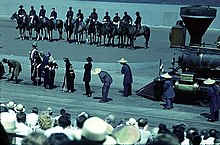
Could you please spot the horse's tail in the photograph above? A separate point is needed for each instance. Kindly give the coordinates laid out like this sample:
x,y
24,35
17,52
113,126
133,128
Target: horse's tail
x,y
146,32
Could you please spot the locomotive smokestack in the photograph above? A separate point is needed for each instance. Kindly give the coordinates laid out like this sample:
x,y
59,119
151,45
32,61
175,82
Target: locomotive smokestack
x,y
197,19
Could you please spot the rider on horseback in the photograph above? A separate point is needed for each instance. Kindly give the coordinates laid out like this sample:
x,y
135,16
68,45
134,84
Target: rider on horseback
x,y
127,19
69,14
116,20
53,16
21,14
137,23
94,16
32,14
107,20
42,13
79,19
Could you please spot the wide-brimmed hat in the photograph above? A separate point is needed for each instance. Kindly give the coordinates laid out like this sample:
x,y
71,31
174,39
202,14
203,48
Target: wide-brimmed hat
x,y
126,134
8,122
21,6
96,71
34,44
132,121
122,60
20,108
209,81
166,76
89,58
137,13
11,105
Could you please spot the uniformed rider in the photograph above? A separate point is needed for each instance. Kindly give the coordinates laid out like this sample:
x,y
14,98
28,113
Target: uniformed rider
x,y
127,19
21,14
42,13
69,14
53,16
106,19
94,16
116,20
79,18
32,13
137,23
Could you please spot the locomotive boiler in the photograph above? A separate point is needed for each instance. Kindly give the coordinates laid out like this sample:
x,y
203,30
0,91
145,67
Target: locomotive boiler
x,y
197,62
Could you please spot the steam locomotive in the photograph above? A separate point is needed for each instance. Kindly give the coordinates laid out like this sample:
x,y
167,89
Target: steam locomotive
x,y
197,62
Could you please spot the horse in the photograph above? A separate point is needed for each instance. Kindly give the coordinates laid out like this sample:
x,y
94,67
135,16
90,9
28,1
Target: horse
x,y
69,24
123,33
32,23
78,29
21,22
41,27
91,29
114,31
144,31
103,30
51,27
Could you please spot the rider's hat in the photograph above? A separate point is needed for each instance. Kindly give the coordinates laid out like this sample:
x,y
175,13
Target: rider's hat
x,y
42,6
106,13
137,13
94,9
116,13
21,6
70,7
53,8
125,13
89,59
32,7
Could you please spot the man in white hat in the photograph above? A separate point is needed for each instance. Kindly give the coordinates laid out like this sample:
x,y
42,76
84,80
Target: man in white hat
x,y
31,55
169,93
128,80
106,79
213,93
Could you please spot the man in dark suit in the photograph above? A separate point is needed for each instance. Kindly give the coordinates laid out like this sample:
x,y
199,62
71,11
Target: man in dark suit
x,y
16,66
106,79
213,94
169,93
87,76
128,80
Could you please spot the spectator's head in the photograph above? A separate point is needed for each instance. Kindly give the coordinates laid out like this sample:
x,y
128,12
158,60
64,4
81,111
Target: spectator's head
x,y
34,44
64,121
190,132
196,140
89,59
11,105
213,132
178,131
50,111
132,122
205,133
58,139
8,122
165,139
35,110
142,122
35,138
20,108
45,121
5,60
21,117
163,128
110,119
62,111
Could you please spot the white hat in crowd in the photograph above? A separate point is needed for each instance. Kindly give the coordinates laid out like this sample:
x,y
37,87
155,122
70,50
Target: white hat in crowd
x,y
122,60
96,71
166,76
132,121
8,122
20,108
11,105
209,81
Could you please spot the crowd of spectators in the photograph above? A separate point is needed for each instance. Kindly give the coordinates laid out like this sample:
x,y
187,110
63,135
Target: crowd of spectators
x,y
43,128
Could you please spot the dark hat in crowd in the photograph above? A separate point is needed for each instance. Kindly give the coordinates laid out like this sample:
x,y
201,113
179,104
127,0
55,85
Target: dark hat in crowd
x,y
89,58
5,60
21,6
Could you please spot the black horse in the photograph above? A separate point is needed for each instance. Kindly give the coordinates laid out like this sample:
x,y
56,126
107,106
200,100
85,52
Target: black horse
x,y
41,27
69,24
32,23
22,24
79,29
103,30
91,28
144,31
51,27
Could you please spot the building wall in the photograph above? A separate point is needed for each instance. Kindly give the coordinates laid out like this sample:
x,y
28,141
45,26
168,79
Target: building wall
x,y
152,14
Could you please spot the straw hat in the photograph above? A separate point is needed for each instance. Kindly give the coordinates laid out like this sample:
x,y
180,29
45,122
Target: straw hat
x,y
20,108
8,122
166,76
209,81
127,134
122,60
96,71
11,105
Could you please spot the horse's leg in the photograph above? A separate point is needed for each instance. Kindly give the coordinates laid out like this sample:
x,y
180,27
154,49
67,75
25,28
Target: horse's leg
x,y
30,33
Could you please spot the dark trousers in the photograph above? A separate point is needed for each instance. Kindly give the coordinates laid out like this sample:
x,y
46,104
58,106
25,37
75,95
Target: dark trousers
x,y
169,103
87,87
215,115
105,90
127,89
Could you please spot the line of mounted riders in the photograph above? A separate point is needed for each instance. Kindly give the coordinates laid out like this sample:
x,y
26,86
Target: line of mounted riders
x,y
100,33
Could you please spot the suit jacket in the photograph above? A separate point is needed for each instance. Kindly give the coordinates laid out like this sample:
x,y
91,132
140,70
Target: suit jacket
x,y
168,90
105,78
213,93
126,70
87,72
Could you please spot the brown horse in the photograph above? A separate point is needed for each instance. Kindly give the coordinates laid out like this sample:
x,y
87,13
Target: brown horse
x,y
144,31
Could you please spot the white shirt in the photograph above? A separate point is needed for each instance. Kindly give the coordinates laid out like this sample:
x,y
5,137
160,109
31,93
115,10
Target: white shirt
x,y
32,119
59,129
22,129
